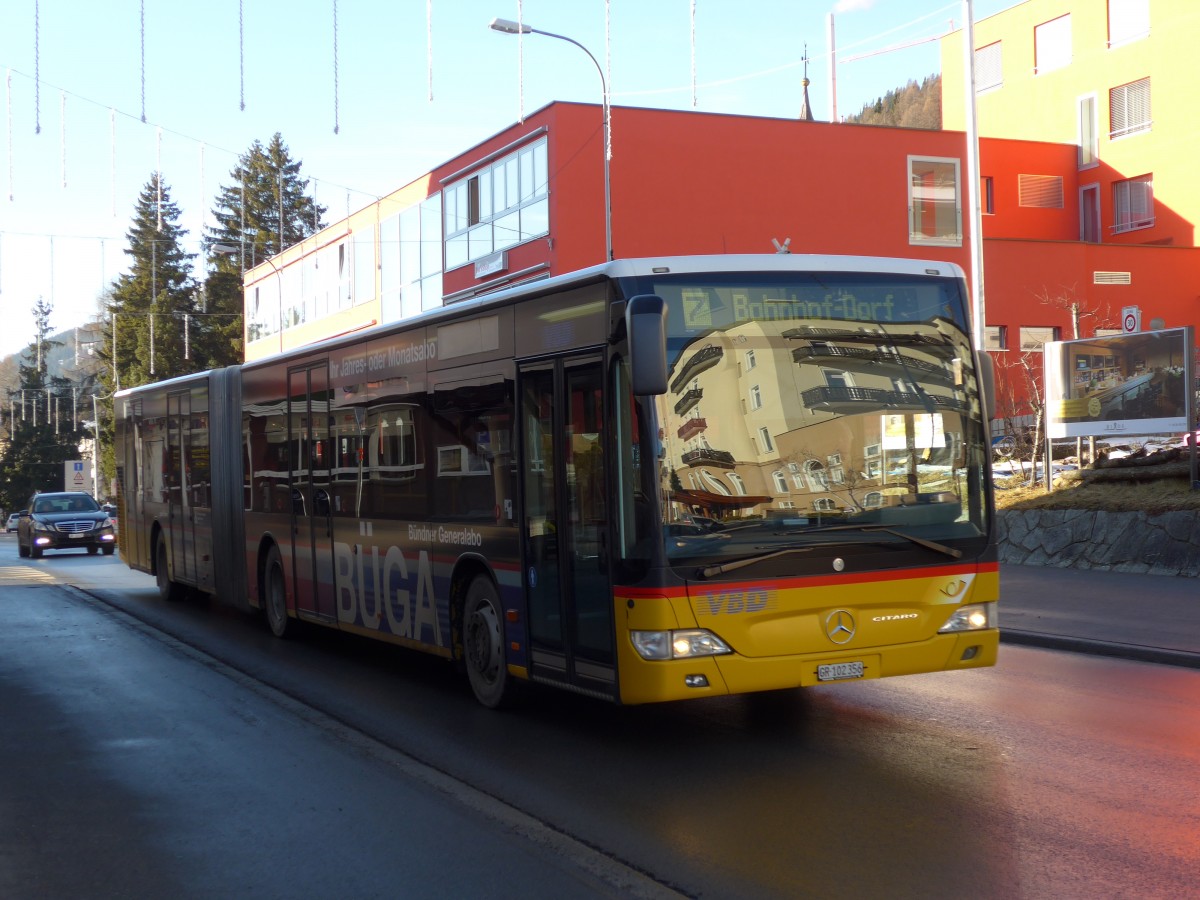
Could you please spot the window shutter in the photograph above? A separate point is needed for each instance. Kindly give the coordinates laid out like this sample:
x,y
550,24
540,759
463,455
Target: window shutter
x,y
988,72
1129,107
1045,191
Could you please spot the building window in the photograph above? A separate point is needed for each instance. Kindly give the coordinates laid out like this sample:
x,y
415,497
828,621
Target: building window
x,y
1089,149
714,483
499,206
988,74
987,195
1128,20
739,484
751,362
1034,337
1052,45
1129,108
873,500
824,504
934,210
837,474
818,479
765,437
781,485
755,397
1133,204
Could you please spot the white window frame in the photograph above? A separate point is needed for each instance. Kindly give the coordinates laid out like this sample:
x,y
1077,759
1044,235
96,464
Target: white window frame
x,y
921,194
1129,109
1133,204
764,435
1052,45
1088,131
989,71
1034,337
995,337
1132,21
756,400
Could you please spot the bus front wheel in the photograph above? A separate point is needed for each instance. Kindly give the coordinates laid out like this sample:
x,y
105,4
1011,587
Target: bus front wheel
x,y
275,595
483,644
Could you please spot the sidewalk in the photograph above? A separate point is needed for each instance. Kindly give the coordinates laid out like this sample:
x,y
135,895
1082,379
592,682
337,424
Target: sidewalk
x,y
1152,618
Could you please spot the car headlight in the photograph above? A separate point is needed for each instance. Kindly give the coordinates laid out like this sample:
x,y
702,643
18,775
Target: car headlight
x,y
686,644
39,525
107,523
972,617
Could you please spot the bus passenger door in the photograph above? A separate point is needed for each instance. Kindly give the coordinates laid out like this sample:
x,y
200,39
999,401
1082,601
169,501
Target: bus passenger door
x,y
179,508
308,479
565,528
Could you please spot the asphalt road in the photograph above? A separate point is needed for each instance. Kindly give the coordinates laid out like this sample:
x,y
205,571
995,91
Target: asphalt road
x,y
236,760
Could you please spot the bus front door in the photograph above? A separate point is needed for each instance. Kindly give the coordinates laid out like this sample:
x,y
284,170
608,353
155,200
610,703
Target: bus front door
x,y
565,545
308,479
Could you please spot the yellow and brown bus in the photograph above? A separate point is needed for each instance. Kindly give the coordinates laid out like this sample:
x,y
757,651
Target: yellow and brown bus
x,y
651,480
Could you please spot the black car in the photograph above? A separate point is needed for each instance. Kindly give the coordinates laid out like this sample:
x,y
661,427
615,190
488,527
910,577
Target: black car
x,y
64,521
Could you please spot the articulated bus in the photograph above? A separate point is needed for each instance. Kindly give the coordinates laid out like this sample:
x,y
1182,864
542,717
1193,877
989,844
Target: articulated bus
x,y
650,480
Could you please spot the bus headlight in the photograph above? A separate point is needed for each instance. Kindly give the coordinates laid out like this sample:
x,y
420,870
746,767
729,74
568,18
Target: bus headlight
x,y
678,644
972,617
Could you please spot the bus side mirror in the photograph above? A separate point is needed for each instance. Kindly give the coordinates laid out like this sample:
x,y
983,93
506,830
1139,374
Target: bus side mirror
x,y
986,370
646,328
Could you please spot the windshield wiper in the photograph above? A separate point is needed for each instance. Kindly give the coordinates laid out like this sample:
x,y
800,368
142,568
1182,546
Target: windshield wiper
x,y
710,571
887,529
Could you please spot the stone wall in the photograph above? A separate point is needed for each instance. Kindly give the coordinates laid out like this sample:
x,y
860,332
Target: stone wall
x,y
1163,544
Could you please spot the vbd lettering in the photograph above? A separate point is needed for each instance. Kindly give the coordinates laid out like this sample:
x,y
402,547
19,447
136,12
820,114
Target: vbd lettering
x,y
748,600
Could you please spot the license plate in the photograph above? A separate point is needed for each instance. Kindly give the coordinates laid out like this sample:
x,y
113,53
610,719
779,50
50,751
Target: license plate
x,y
80,534
840,671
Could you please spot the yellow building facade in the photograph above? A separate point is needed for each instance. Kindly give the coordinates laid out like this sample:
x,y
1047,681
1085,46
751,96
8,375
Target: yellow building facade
x,y
1113,77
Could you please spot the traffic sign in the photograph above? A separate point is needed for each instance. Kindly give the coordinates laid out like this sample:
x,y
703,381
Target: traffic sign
x,y
1131,319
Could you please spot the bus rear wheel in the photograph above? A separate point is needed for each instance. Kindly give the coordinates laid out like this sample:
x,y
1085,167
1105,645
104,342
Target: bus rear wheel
x,y
275,595
167,589
483,644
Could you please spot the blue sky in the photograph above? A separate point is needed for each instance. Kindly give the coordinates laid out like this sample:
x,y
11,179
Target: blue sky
x,y
413,83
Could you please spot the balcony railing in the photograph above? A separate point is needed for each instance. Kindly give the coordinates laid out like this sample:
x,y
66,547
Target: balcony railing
x,y
722,459
854,399
705,358
691,428
688,400
861,359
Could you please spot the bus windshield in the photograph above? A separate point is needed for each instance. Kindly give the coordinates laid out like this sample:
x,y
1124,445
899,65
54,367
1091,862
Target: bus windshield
x,y
816,409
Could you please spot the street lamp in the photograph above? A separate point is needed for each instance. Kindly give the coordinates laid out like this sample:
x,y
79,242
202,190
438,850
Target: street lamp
x,y
232,250
507,26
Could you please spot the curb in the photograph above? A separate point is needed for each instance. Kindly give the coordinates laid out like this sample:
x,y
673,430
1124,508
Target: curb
x,y
1137,652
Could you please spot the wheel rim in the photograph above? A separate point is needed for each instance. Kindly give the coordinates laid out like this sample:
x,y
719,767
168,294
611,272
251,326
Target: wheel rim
x,y
483,641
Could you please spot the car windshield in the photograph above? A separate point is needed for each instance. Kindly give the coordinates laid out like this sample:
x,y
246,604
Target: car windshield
x,y
60,504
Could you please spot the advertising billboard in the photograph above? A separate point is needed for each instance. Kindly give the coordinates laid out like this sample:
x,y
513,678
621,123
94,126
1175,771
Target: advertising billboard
x,y
1131,384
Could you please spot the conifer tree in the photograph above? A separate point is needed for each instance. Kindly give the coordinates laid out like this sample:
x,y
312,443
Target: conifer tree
x,y
262,210
154,304
43,434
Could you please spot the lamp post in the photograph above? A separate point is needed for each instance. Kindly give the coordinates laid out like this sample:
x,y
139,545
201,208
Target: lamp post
x,y
507,26
231,250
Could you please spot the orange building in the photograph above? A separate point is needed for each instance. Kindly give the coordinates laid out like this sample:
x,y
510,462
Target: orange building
x,y
1111,80
1088,204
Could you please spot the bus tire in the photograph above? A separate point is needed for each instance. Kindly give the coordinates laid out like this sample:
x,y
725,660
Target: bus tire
x,y
168,590
483,644
275,596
